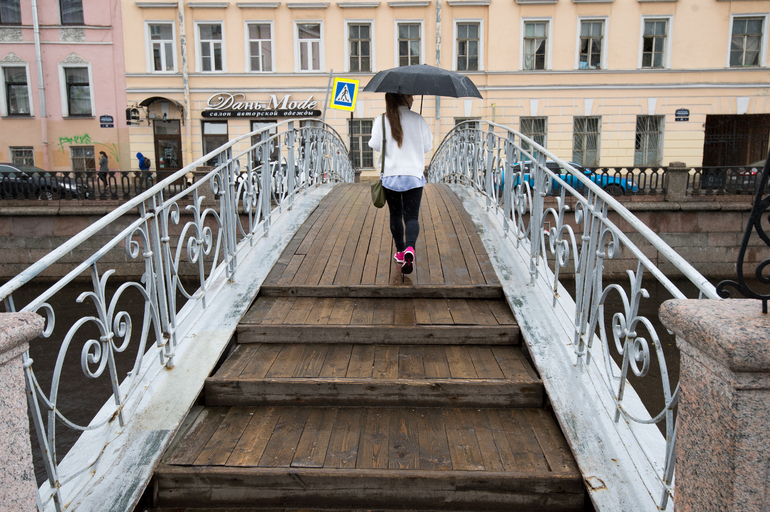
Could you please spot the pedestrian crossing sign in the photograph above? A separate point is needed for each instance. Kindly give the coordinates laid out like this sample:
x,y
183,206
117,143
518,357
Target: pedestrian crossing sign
x,y
344,94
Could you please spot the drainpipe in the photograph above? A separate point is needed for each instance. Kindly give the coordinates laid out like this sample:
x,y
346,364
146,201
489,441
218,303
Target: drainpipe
x,y
185,84
437,128
41,87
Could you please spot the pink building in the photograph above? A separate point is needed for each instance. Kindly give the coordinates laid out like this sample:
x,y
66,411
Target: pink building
x,y
62,84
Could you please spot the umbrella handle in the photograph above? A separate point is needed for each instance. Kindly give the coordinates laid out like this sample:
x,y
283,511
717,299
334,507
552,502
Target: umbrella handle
x,y
421,98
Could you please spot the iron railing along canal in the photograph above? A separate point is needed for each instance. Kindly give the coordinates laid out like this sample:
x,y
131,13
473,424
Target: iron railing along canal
x,y
514,175
246,201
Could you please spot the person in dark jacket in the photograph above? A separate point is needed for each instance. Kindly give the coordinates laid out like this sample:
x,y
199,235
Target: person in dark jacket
x,y
103,167
144,166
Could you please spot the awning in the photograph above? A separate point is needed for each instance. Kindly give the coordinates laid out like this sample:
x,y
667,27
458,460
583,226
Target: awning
x,y
150,101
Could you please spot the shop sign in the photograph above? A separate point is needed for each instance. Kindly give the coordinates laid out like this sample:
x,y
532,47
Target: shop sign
x,y
234,104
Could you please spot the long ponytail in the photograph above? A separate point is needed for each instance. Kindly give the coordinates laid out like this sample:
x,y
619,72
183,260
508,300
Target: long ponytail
x,y
392,102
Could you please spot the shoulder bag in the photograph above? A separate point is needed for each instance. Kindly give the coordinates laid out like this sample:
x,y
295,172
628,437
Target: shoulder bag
x,y
378,191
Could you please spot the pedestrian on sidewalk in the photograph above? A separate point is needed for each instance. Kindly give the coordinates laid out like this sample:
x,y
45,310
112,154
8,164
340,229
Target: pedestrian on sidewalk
x,y
407,139
103,168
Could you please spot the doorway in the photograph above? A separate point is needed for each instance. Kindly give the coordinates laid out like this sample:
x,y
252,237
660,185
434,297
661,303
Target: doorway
x,y
168,148
733,140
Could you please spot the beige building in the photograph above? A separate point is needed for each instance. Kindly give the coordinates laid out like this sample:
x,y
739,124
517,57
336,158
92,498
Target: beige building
x,y
600,82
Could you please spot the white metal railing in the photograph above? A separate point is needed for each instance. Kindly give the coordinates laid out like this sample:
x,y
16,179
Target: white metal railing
x,y
245,202
515,175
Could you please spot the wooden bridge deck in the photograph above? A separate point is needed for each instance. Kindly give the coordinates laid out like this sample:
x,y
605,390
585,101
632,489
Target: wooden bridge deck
x,y
352,386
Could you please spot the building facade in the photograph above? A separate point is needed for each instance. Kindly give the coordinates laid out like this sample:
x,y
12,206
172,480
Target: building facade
x,y
63,84
598,82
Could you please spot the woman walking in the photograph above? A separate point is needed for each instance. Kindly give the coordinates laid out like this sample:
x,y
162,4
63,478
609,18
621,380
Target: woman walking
x,y
407,139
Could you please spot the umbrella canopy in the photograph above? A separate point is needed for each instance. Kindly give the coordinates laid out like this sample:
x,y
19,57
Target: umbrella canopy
x,y
423,79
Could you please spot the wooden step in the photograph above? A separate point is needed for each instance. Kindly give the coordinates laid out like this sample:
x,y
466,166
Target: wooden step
x,y
362,374
380,320
407,458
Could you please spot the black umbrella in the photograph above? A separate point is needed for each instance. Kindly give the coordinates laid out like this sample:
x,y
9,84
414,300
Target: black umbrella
x,y
421,80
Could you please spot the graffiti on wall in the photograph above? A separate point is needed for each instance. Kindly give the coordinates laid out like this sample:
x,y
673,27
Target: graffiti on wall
x,y
112,148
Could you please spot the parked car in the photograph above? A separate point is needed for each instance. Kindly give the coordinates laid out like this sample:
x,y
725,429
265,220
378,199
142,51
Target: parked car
x,y
613,185
27,181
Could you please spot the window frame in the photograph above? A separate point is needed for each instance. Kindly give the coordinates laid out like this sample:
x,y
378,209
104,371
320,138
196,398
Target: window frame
x,y
545,130
247,45
31,149
459,21
86,168
346,44
12,23
199,53
149,42
396,23
364,142
61,13
297,52
669,19
662,125
4,110
605,30
598,141
549,39
762,43
63,90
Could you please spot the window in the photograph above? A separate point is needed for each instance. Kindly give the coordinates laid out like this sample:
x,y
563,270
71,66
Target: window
x,y
360,153
535,44
534,128
649,140
471,123
161,37
78,92
214,136
360,42
309,46
82,158
591,35
211,57
260,47
10,12
71,12
468,46
408,44
746,42
654,43
22,156
16,91
255,139
585,141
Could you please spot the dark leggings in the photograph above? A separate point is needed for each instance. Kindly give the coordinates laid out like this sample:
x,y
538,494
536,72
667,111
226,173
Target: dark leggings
x,y
404,211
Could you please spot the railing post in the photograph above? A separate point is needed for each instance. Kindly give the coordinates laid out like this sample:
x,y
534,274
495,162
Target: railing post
x,y
676,187
19,488
724,409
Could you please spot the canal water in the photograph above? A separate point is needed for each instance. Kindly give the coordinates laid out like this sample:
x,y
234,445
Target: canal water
x,y
81,396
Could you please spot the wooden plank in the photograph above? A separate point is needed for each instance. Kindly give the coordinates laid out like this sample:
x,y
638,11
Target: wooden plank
x,y
462,275
361,361
321,312
481,312
373,446
361,249
486,440
511,365
286,362
432,243
421,267
439,312
435,361
460,364
434,448
337,361
283,443
351,242
552,442
363,312
311,450
384,311
252,443
500,434
370,268
463,445
522,440
262,361
460,311
399,291
385,362
330,206
404,448
198,435
468,251
220,446
257,312
447,267
410,365
421,312
485,363
341,312
312,360
300,311
343,445
335,258
403,312
385,256
369,274
279,311
502,312
291,269
236,361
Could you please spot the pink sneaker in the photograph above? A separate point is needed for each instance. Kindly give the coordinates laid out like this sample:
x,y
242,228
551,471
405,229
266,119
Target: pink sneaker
x,y
408,265
399,257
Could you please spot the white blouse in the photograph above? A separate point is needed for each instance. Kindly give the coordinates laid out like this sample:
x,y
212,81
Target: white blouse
x,y
409,159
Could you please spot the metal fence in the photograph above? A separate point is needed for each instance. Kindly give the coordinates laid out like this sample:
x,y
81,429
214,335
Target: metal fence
x,y
248,200
560,242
